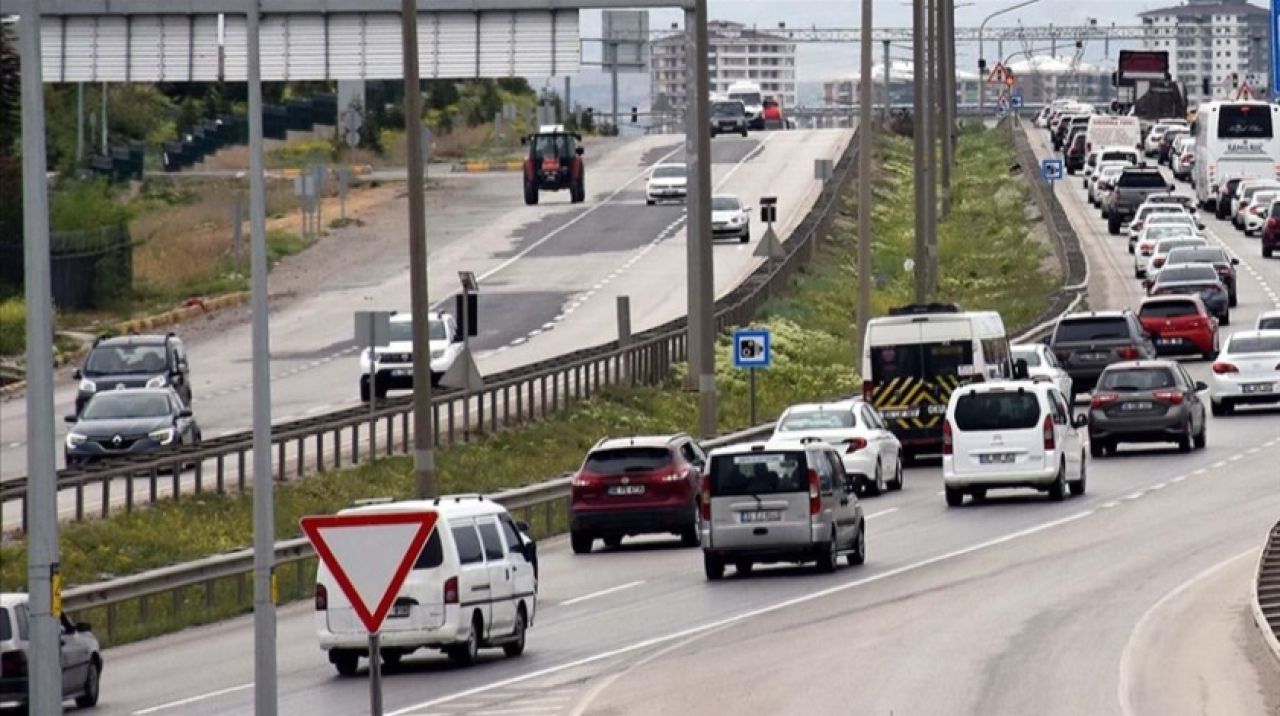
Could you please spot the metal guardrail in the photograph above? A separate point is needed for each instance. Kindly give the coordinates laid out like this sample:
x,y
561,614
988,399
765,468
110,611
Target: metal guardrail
x,y
549,498
1266,594
507,399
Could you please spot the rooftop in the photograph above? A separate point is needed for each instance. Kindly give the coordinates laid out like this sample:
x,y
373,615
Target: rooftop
x,y
1196,8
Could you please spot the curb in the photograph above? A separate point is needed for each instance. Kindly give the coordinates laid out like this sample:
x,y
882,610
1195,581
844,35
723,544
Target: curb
x,y
1269,636
476,167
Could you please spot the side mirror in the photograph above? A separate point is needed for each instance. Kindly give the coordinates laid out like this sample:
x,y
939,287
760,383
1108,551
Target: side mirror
x,y
457,336
579,151
69,418
1147,283
1080,420
1172,188
1047,340
1201,386
1235,261
1020,371
84,627
184,413
522,526
77,374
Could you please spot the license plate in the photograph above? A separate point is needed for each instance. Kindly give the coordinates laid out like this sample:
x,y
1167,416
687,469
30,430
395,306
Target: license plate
x,y
1258,388
1002,458
1169,341
761,516
402,372
1094,356
1136,405
400,611
626,490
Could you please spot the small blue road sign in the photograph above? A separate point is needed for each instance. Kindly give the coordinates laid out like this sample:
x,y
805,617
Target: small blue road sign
x,y
1015,100
1051,169
752,348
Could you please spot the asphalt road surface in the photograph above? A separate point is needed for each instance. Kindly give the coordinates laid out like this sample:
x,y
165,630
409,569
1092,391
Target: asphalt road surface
x,y
1128,600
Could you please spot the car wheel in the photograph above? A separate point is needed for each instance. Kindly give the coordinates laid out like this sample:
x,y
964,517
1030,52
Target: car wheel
x,y
826,555
1232,301
744,566
516,648
1079,486
744,132
1095,448
1113,224
1202,437
689,535
1216,409
859,554
1137,272
466,652
876,486
1228,407
1184,442
89,697
955,497
1058,490
530,195
364,390
612,540
581,542
978,494
713,566
649,202
1266,252
1225,319
744,237
897,481
344,662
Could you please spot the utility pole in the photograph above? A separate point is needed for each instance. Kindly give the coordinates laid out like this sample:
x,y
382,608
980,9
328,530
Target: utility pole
x,y
44,666
568,105
920,131
424,458
865,149
946,96
265,694
104,132
79,122
931,206
701,272
613,82
888,84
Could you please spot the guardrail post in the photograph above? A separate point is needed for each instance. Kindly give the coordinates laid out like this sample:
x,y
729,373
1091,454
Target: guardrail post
x,y
404,431
320,451
542,394
450,418
222,487
111,622
208,593
337,447
106,497
555,390
506,406
177,602
175,470
144,609
199,476
493,411
128,494
435,422
355,444
302,456
79,504
240,475
280,462
391,424
518,388
153,484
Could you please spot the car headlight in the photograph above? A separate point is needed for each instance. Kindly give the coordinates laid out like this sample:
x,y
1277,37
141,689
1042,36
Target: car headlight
x,y
75,440
164,436
88,386
159,381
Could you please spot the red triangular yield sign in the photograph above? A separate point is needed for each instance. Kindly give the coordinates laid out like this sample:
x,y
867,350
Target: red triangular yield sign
x,y
370,554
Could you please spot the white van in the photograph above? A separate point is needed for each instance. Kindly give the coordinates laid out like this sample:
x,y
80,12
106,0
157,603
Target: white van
x,y
1011,434
1109,130
475,585
913,358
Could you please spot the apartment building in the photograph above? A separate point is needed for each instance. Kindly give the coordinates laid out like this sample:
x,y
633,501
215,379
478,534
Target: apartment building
x,y
1208,42
737,53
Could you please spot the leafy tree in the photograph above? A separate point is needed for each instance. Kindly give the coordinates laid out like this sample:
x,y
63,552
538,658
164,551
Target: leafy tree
x,y
10,93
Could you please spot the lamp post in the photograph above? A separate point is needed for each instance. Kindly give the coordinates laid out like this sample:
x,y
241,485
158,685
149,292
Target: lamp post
x,y
982,63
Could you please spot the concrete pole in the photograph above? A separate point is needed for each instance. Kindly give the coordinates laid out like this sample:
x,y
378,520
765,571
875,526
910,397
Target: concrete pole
x,y
613,80
865,149
946,96
920,128
931,206
888,85
103,124
567,105
697,146
79,122
44,665
424,458
265,695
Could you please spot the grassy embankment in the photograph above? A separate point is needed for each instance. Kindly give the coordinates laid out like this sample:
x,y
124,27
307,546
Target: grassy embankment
x,y
989,262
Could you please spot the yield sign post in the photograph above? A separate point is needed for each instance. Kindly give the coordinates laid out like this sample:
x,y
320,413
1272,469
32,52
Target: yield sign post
x,y
369,556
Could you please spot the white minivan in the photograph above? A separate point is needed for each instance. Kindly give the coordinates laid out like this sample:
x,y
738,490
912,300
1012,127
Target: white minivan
x,y
474,585
1011,434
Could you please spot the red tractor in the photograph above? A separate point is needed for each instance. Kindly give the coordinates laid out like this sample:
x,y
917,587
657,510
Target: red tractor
x,y
554,163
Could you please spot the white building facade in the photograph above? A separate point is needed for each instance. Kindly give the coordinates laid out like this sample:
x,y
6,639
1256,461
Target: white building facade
x,y
1212,41
736,53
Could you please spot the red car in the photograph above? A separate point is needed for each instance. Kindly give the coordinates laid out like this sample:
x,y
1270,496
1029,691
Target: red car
x,y
1180,324
632,486
1271,232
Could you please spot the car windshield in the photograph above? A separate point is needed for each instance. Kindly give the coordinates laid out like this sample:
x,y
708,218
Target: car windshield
x,y
403,330
1132,379
1141,180
556,145
1168,309
747,98
1254,344
105,360
627,459
997,411
114,406
816,420
919,360
1188,273
1029,355
669,171
1091,329
725,203
1150,210
1244,121
727,109
759,473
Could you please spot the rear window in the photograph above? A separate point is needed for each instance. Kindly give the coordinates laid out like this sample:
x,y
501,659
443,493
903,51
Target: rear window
x,y
1254,344
997,411
6,627
1091,329
1116,156
1193,272
1132,379
628,459
432,554
1142,180
1269,324
1168,245
468,542
1237,121
1031,357
919,360
817,420
759,473
1168,309
1197,256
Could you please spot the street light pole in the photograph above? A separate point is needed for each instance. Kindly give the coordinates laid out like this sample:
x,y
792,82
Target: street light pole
x,y
424,462
946,96
701,272
920,132
865,148
931,73
982,81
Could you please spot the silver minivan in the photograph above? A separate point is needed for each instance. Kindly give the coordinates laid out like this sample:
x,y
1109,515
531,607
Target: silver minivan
x,y
780,501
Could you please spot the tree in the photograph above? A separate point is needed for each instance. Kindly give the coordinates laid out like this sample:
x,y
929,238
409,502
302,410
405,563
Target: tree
x,y
10,93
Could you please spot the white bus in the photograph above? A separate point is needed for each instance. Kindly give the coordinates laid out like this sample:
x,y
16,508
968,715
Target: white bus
x,y
1234,139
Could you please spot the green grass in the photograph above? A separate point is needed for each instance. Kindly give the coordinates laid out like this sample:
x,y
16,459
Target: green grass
x,y
13,326
813,333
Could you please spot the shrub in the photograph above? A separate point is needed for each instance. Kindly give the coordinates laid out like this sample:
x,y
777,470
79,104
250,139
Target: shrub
x,y
13,326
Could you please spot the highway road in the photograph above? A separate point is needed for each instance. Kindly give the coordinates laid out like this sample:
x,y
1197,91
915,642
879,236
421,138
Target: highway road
x,y
1128,600
548,275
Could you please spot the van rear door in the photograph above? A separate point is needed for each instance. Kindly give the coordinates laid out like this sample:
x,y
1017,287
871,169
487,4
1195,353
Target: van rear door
x,y
760,499
997,430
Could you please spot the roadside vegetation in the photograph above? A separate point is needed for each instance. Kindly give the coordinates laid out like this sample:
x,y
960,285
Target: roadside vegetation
x,y
990,262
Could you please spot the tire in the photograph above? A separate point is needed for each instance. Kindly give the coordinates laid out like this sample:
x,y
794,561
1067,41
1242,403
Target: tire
x,y
364,391
1058,490
1232,301
859,554
978,494
581,542
1184,442
1079,486
745,237
649,202
876,487
612,540
516,648
744,132
530,195
578,192
1202,437
391,657
744,566
713,566
1217,409
1266,252
344,662
465,653
1137,272
1113,224
689,536
1228,407
1225,320
825,555
1095,448
899,479
92,682
955,497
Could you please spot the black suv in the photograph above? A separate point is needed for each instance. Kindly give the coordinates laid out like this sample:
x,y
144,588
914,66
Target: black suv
x,y
1086,343
728,117
143,361
1133,187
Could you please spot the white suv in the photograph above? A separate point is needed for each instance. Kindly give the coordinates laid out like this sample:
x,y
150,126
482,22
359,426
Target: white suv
x,y
474,585
1011,434
393,366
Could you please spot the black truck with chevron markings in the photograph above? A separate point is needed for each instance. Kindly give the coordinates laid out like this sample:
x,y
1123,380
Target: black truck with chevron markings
x,y
913,358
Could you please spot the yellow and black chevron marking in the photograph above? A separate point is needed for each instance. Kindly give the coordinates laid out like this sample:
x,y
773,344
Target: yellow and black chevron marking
x,y
924,400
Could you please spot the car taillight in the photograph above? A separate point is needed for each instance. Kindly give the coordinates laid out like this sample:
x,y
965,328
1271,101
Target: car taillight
x,y
1145,250
1257,211
1136,226
866,390
671,477
583,480
13,663
855,445
321,598
947,441
1224,368
1272,223
1102,400
1127,353
1048,432
815,497
1158,261
451,590
704,505
1172,396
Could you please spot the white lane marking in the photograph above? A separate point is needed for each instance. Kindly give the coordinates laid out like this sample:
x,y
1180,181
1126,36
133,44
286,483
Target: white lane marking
x,y
1201,471
193,699
1109,505
1158,486
527,710
881,513
1219,464
601,593
1235,458
1124,687
1253,451
1133,495
1179,478
940,493
745,616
